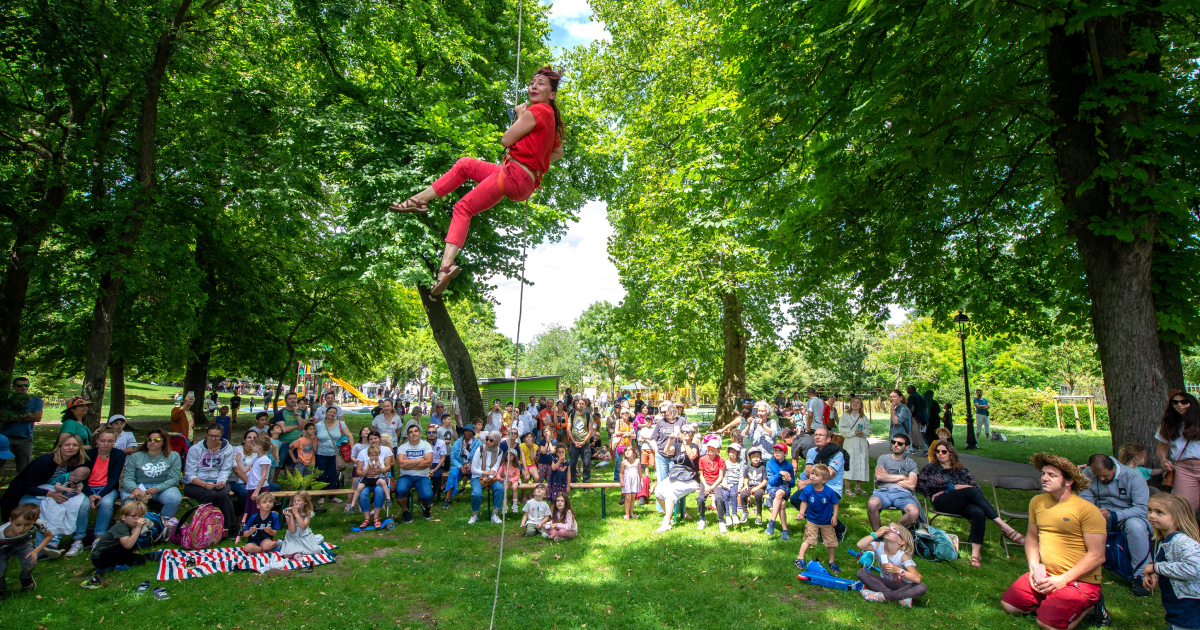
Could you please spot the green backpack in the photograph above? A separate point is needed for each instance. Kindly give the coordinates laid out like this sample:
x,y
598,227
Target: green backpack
x,y
934,544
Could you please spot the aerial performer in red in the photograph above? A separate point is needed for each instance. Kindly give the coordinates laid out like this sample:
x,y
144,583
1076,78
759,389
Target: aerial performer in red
x,y
533,142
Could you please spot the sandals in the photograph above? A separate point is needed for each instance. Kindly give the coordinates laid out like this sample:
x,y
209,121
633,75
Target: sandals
x,y
410,205
976,562
378,524
451,272
1015,536
366,523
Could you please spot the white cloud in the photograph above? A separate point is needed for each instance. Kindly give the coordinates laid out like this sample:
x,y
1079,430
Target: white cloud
x,y
588,30
569,9
568,276
572,24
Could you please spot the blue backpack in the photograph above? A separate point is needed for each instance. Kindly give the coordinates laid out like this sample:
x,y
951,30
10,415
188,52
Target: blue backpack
x,y
934,544
152,531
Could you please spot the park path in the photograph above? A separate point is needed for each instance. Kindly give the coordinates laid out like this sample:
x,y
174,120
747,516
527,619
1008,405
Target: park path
x,y
984,468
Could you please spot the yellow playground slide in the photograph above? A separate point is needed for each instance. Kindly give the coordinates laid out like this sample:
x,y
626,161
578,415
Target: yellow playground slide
x,y
353,391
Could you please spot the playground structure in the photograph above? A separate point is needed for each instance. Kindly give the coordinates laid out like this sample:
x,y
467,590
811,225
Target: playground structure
x,y
1074,400
525,386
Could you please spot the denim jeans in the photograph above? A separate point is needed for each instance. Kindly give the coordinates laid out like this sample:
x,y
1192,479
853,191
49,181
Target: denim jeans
x,y
477,494
584,452
169,499
662,466
405,483
452,479
22,552
363,501
104,512
327,464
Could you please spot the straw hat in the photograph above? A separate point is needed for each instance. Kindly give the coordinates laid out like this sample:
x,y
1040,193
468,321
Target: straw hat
x,y
1079,482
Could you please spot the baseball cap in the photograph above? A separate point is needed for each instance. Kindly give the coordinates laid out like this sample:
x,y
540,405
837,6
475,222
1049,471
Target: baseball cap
x,y
736,447
781,446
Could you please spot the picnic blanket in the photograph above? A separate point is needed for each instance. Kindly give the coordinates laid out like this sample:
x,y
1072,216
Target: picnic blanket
x,y
174,564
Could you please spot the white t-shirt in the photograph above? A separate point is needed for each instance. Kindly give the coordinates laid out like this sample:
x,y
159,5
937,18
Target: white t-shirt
x,y
525,424
536,510
1180,447
255,472
125,440
644,439
495,420
411,451
439,450
319,414
391,427
365,460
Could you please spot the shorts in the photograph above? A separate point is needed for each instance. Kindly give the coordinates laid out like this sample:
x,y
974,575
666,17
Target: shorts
x,y
811,530
647,458
1058,609
771,490
895,498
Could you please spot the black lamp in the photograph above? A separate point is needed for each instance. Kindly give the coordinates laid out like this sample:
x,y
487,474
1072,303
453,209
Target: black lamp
x,y
961,320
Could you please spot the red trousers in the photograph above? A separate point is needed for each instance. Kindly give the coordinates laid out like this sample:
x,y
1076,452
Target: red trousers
x,y
518,186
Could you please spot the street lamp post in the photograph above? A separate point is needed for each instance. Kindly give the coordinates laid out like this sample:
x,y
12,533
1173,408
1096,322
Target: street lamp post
x,y
961,321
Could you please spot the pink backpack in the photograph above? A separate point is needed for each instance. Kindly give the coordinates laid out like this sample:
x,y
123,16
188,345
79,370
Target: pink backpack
x,y
204,528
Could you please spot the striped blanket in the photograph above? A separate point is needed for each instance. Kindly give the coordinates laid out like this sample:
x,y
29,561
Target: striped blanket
x,y
174,564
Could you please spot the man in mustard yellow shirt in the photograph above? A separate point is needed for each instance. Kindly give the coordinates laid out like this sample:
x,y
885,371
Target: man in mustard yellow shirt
x,y
1064,548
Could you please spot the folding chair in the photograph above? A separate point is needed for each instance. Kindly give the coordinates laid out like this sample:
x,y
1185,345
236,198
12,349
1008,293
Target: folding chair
x,y
932,513
1027,484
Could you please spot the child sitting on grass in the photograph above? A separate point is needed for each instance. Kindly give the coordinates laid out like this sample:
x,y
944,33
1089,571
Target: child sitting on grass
x,y
115,549
900,582
262,527
300,539
16,540
819,506
537,512
1134,456
1176,562
631,480
561,524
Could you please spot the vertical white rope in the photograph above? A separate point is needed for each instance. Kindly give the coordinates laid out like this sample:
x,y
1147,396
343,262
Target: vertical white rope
x,y
517,339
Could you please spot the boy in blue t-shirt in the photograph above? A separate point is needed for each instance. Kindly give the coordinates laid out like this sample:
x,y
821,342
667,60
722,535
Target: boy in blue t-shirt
x,y
819,505
223,420
261,527
781,478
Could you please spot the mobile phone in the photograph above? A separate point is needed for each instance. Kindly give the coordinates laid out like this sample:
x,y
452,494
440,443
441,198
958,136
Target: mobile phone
x,y
1039,573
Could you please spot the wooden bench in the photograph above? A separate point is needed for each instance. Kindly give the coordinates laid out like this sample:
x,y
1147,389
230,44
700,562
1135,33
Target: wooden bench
x,y
603,485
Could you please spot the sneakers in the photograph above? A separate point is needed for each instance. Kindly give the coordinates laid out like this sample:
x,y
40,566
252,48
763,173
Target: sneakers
x,y
406,516
143,587
446,504
28,585
474,518
545,535
641,501
757,521
50,553
744,517
516,508
771,528
92,583
872,596
425,512
801,564
1139,589
76,547
785,536
700,525
665,527
906,602
724,529
1100,617
834,568
496,518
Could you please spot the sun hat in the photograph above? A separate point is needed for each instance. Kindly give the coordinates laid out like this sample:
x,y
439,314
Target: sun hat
x,y
1079,483
77,401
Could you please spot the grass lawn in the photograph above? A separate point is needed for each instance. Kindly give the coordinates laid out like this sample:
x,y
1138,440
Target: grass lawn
x,y
617,574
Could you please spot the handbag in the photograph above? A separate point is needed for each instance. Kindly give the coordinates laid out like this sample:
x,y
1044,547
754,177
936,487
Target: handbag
x,y
1169,476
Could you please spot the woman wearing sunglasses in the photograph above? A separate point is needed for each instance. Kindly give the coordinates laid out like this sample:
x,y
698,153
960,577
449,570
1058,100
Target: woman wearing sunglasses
x,y
1179,446
156,468
953,490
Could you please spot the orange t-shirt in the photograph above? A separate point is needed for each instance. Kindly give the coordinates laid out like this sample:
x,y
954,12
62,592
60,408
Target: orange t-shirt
x,y
1061,526
99,476
534,148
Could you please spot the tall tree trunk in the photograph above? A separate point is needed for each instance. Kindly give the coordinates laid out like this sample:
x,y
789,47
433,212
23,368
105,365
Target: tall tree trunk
x,y
733,370
458,358
1118,271
1172,364
116,380
15,284
111,284
195,379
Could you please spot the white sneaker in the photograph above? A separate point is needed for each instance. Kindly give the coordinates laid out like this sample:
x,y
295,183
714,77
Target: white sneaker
x,y
700,525
665,527
729,520
496,518
76,547
474,517
516,509
545,535
724,530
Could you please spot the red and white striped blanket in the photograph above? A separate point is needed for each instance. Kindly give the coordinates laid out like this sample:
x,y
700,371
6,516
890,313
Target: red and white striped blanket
x,y
209,561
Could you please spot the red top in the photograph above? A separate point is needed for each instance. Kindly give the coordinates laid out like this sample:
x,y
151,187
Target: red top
x,y
534,148
99,476
711,468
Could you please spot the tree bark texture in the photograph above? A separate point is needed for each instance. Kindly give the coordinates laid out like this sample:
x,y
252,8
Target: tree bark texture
x,y
116,381
733,370
1117,271
195,379
1172,364
100,345
14,286
458,358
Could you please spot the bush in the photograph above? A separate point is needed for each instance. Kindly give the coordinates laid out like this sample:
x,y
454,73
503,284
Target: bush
x,y
1019,406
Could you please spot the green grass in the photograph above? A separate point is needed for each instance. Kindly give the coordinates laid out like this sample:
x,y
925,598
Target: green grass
x,y
617,574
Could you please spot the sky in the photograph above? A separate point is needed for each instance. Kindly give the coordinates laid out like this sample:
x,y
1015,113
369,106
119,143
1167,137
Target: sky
x,y
571,274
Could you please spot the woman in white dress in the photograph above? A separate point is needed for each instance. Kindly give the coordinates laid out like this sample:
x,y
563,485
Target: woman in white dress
x,y
857,428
